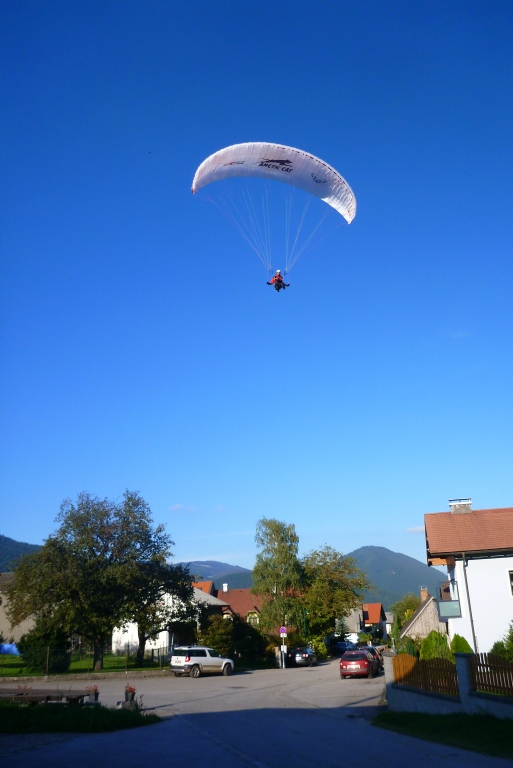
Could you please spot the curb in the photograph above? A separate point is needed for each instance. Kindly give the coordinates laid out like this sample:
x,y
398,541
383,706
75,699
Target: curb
x,y
89,676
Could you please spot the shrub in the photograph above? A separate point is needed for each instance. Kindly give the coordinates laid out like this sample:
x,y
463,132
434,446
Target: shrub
x,y
249,644
504,647
319,647
460,645
218,634
435,646
46,646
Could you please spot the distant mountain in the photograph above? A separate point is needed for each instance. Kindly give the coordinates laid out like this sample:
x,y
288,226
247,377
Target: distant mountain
x,y
210,570
394,574
10,550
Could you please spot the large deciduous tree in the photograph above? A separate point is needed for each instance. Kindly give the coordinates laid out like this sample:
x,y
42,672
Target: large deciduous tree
x,y
332,587
277,574
98,571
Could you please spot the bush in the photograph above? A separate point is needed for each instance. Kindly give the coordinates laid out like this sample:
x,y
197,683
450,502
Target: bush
x,y
319,647
460,645
218,634
504,647
44,647
435,646
249,644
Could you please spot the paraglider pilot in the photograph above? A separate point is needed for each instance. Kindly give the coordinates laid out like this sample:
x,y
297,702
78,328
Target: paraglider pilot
x,y
278,281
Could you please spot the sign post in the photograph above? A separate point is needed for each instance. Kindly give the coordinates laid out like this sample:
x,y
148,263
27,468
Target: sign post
x,y
283,633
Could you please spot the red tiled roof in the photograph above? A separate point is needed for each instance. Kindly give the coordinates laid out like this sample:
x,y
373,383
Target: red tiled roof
x,y
481,530
242,601
373,613
205,586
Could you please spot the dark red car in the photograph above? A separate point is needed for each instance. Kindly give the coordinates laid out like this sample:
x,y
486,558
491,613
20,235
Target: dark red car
x,y
356,663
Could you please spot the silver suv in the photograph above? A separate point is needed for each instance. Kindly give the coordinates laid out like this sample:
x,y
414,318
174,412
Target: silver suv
x,y
197,660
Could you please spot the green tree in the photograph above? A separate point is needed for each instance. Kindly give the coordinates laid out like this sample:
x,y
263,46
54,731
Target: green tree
x,y
46,649
504,647
158,593
218,634
403,610
342,628
277,575
460,645
91,575
332,587
435,646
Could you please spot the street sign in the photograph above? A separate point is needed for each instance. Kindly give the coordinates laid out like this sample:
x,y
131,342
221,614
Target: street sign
x,y
283,631
284,649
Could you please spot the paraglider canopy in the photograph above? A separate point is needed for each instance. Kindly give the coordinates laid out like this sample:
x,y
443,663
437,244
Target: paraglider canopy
x,y
280,163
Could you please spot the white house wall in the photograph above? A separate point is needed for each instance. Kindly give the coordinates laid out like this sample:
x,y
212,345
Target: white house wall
x,y
128,640
491,599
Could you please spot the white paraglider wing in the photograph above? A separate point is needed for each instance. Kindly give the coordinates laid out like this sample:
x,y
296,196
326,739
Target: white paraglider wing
x,y
285,164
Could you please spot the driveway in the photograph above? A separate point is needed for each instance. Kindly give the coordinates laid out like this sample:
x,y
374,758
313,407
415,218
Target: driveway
x,y
301,718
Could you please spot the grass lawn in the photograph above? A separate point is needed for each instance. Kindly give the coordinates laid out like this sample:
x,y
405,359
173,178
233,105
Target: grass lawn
x,y
16,718
479,733
13,666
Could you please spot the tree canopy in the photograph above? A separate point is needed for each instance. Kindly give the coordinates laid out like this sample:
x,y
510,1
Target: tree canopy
x,y
332,587
310,593
106,565
277,573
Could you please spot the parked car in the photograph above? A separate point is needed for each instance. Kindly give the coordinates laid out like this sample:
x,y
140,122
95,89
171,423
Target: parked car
x,y
199,660
377,655
344,645
301,656
355,663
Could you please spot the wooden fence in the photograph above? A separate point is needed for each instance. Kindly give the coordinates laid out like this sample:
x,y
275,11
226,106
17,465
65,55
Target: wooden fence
x,y
491,674
435,675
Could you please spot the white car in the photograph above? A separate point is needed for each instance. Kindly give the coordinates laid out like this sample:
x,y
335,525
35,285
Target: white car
x,y
197,660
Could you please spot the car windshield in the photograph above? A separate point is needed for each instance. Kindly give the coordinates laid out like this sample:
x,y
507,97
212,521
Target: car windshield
x,y
180,652
355,656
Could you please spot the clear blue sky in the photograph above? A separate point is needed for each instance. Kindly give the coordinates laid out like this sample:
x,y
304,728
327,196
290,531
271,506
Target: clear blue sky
x,y
140,346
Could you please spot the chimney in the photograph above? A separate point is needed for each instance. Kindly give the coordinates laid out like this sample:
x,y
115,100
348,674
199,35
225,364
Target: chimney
x,y
225,587
424,594
460,506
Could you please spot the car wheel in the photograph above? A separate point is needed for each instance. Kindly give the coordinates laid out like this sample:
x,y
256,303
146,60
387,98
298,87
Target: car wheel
x,y
227,670
195,672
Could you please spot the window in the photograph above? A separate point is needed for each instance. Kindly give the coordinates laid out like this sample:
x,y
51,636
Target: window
x,y
198,652
253,619
511,581
213,653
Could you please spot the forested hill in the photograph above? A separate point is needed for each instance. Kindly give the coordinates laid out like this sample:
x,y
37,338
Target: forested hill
x,y
10,550
220,573
394,574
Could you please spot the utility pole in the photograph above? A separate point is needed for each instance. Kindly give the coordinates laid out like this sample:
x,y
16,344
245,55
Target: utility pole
x,y
468,602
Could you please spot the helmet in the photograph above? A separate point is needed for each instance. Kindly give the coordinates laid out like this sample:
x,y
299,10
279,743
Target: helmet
x,y
277,271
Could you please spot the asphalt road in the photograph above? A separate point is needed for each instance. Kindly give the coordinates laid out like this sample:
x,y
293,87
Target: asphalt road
x,y
302,718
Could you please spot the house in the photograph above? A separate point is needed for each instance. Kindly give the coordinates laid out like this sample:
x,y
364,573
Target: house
x,y
6,631
207,587
374,620
476,546
390,618
242,602
424,619
125,638
370,618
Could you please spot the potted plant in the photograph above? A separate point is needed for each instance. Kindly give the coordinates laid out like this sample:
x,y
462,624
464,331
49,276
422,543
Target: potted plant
x,y
129,692
93,693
